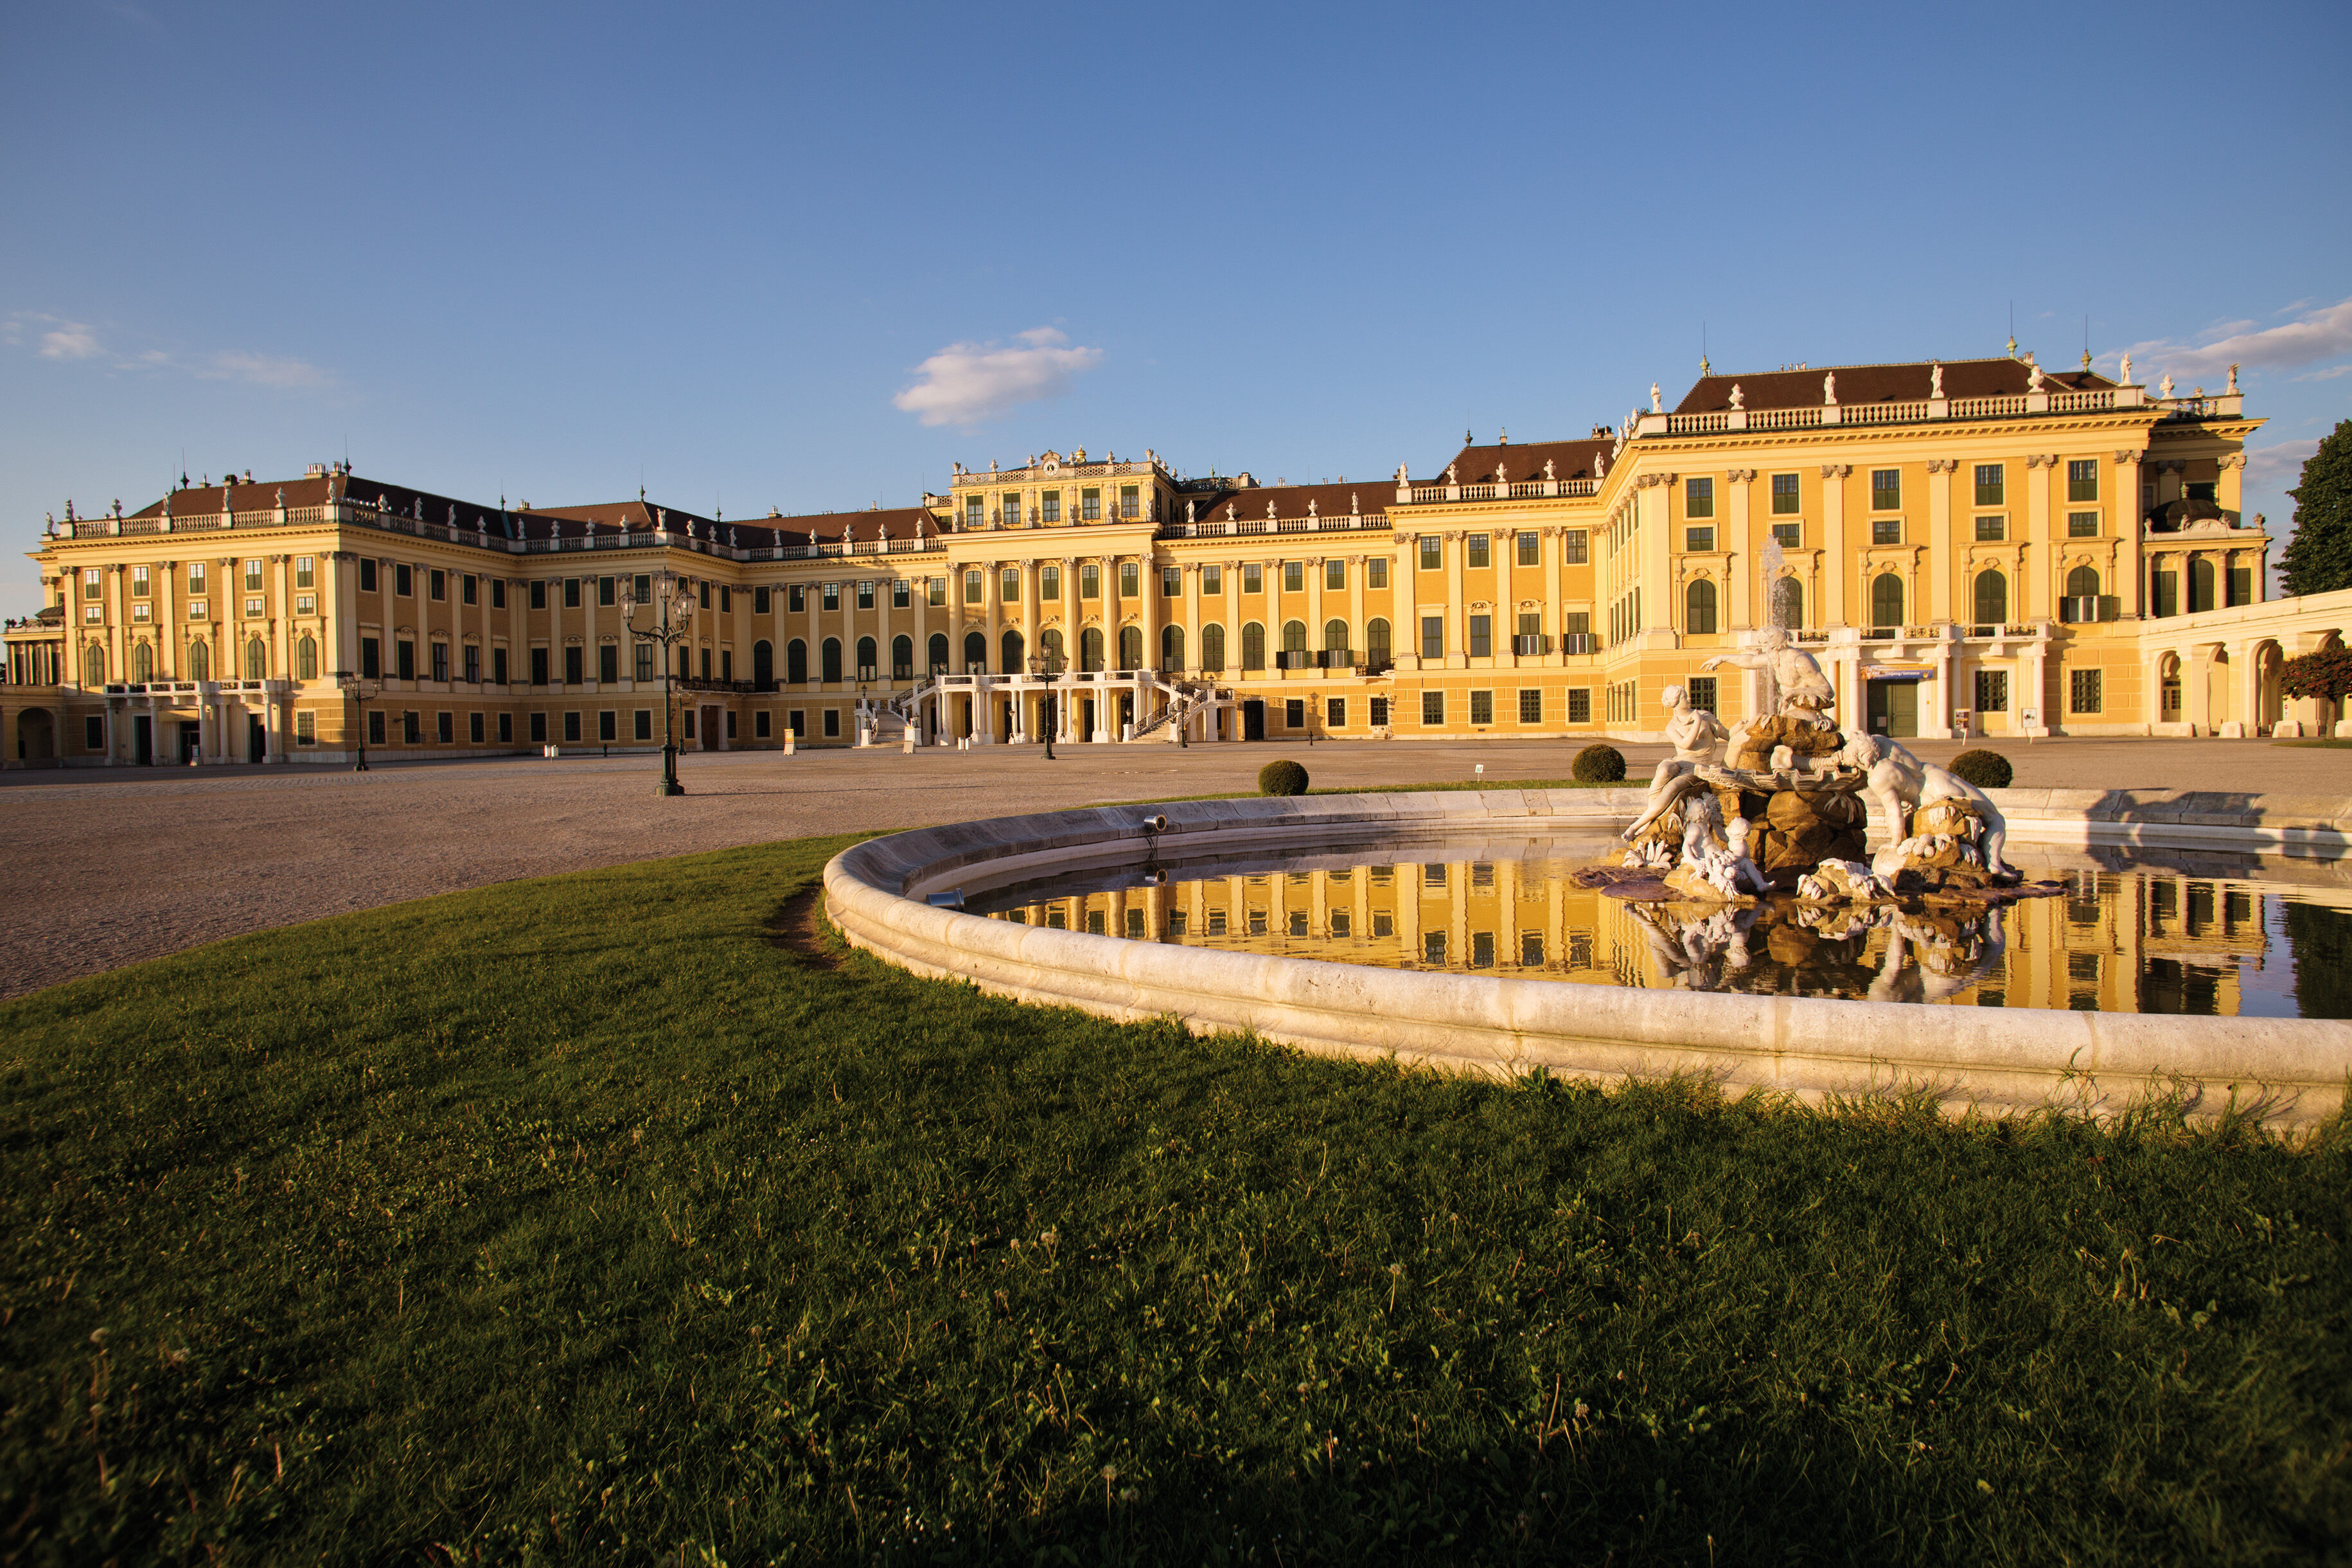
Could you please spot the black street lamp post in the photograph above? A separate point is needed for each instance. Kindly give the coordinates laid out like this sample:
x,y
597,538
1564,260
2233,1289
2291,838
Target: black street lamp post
x,y
1048,666
674,601
364,691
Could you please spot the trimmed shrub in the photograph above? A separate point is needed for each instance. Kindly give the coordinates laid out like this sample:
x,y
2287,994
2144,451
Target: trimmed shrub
x,y
1598,764
1285,777
1985,769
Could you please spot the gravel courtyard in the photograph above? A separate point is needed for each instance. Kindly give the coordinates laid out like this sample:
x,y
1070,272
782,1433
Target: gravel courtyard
x,y
112,866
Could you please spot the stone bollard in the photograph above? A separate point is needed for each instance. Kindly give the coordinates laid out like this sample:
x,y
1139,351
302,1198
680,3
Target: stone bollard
x,y
789,739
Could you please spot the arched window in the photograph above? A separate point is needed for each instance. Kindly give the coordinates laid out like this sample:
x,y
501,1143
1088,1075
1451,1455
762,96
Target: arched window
x,y
306,658
1130,647
2082,583
1213,647
1376,640
1090,648
795,663
1016,654
1789,603
93,666
1049,643
865,658
1334,636
1253,646
975,653
2201,586
200,662
1699,606
830,659
902,658
143,662
763,665
1171,647
256,660
1293,636
1887,600
1992,598
935,654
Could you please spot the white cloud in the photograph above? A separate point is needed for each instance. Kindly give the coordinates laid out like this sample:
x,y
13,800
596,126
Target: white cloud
x,y
966,382
2278,467
264,369
2322,334
70,340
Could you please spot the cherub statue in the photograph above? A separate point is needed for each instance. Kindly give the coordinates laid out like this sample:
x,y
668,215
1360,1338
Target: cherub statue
x,y
1799,689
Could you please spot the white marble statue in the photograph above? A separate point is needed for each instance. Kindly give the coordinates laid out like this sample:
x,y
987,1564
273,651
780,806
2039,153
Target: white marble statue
x,y
1739,398
2124,379
1698,737
1795,685
1828,388
1935,380
1657,404
1899,786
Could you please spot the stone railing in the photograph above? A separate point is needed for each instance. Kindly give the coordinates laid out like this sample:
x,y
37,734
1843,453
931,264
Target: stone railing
x,y
1222,527
1516,490
1920,410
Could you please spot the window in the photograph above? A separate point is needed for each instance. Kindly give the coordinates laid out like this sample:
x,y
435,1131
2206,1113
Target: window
x,y
866,592
254,606
371,659
469,589
2083,479
829,595
1335,713
539,595
497,666
1433,636
444,727
538,666
306,658
703,597
1579,705
606,592
2082,525
403,660
404,580
1698,499
1252,578
902,658
1788,602
1990,487
1212,579
1089,579
198,610
575,661
1294,576
832,723
1991,530
1294,714
1699,606
139,582
1376,573
1432,553
2083,692
1090,504
796,724
410,732
1213,647
975,512
1702,690
440,661
796,596
1784,493
572,602
1011,510
608,726
1886,490
1432,947
1572,547
306,728
867,653
537,729
1887,600
1789,536
898,600
1171,582
200,662
762,600
1530,705
93,728
253,577
1376,640
1130,580
1432,707
1992,691
1478,550
829,659
1294,638
1335,575
367,578
1172,646
1379,716
1991,598
1130,501
608,661
1482,636
1886,530
1701,539
571,727
1253,646
498,593
474,729
1051,503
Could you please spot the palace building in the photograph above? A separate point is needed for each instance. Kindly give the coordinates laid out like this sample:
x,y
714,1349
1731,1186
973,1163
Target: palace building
x,y
1976,548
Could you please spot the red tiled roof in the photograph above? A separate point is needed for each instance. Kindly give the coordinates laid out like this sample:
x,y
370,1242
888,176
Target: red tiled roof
x,y
1880,383
1569,460
1370,498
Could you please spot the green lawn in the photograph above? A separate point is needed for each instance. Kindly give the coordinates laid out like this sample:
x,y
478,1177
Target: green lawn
x,y
575,1220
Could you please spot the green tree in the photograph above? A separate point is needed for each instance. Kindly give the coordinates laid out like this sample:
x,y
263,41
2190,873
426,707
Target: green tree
x,y
2319,558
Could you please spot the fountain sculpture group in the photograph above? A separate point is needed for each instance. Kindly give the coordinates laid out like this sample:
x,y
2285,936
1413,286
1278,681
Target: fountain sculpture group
x,y
1768,820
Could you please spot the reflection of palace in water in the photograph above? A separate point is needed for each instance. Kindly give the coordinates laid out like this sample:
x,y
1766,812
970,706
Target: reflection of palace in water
x,y
2143,940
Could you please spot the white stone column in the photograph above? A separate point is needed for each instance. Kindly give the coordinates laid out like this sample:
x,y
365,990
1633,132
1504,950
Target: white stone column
x,y
1404,637
1457,645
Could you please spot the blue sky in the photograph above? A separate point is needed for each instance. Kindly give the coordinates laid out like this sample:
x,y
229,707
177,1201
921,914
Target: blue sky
x,y
552,253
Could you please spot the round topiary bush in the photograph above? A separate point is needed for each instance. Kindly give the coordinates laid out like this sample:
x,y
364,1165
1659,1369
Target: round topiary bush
x,y
1598,764
1985,769
1285,777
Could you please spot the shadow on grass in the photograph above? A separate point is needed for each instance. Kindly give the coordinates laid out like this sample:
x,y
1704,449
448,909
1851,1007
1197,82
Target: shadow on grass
x,y
567,1220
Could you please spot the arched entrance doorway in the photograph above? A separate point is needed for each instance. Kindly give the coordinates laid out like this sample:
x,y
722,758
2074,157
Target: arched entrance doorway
x,y
37,738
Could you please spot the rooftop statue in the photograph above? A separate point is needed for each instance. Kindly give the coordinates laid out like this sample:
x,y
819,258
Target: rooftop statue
x,y
1657,404
1935,380
1739,398
1828,388
2125,379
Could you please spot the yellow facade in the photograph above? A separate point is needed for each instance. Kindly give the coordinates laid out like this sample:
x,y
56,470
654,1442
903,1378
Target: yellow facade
x,y
2064,560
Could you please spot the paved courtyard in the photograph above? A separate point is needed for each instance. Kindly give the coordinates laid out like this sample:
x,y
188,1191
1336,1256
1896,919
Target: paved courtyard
x,y
108,867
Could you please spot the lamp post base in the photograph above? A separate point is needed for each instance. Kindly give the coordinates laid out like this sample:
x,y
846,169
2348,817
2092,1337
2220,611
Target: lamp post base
x,y
669,784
